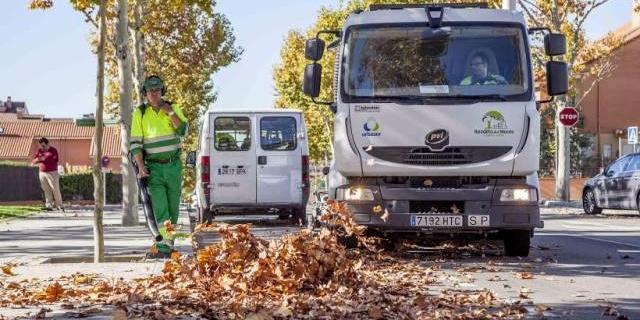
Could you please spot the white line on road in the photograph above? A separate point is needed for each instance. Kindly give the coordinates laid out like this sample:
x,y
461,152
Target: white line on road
x,y
577,225
594,239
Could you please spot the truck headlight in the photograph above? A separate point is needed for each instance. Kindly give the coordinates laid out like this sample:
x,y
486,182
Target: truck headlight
x,y
518,195
358,194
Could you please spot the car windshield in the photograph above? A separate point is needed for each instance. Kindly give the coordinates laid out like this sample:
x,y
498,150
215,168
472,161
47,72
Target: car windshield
x,y
420,62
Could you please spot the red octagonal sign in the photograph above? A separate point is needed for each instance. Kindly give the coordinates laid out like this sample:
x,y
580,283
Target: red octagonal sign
x,y
568,117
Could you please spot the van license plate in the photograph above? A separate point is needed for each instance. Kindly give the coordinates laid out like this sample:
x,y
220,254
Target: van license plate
x,y
436,221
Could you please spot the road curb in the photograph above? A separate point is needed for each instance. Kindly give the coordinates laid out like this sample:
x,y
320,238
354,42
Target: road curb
x,y
557,204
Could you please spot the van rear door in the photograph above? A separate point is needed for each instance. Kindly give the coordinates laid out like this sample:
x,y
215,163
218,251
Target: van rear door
x,y
279,159
233,160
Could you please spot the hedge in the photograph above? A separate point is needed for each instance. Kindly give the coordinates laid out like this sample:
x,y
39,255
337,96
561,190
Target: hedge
x,y
79,186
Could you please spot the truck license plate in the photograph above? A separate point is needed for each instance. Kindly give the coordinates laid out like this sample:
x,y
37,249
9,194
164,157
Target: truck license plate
x,y
436,221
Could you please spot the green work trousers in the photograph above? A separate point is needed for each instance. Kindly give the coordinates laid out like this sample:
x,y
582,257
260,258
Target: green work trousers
x,y
165,183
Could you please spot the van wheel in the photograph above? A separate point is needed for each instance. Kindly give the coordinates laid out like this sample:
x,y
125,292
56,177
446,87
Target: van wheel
x,y
299,216
205,216
516,243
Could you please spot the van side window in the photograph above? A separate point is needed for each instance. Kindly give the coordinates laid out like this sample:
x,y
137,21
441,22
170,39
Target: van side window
x,y
278,133
232,134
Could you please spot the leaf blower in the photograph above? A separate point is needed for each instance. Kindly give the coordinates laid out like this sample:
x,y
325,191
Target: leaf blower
x,y
143,191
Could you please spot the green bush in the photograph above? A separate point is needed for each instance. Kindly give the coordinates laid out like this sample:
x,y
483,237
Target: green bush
x,y
79,186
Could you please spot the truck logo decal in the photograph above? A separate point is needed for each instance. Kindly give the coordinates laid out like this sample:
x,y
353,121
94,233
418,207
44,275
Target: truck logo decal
x,y
494,124
437,140
371,128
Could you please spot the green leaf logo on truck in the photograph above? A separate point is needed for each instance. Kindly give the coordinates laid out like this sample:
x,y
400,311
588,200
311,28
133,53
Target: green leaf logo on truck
x,y
494,124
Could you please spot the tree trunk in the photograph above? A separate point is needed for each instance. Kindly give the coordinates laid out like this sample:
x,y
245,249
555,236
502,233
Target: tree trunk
x,y
98,182
138,45
563,180
563,147
129,187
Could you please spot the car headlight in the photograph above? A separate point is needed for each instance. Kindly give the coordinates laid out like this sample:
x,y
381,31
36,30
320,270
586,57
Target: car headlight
x,y
519,195
358,194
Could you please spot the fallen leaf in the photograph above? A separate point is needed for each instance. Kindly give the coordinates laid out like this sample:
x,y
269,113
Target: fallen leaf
x,y
525,275
153,249
524,293
375,313
175,256
6,269
81,279
541,308
385,216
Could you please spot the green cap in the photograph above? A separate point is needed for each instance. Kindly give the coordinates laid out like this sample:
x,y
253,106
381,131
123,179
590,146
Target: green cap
x,y
153,84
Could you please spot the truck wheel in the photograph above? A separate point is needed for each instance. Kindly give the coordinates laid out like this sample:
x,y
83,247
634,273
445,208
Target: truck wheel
x,y
589,202
516,243
283,215
205,216
299,216
349,242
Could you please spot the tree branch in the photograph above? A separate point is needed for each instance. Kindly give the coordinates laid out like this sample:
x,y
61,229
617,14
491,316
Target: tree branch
x,y
89,18
528,12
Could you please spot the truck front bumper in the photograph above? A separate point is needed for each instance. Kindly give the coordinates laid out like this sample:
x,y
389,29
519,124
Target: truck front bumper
x,y
477,210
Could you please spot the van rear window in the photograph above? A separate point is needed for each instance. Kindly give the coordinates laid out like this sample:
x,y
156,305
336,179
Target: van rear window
x,y
232,133
278,133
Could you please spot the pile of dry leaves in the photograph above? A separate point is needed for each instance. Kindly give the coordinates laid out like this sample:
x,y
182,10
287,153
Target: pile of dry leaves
x,y
304,275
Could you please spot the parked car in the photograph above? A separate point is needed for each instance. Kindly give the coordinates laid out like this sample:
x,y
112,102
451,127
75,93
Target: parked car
x,y
617,187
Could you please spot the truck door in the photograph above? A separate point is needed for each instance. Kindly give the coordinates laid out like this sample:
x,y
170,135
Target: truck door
x,y
279,159
233,161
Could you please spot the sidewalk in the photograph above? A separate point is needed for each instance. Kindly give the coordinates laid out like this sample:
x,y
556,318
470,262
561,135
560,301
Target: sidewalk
x,y
52,237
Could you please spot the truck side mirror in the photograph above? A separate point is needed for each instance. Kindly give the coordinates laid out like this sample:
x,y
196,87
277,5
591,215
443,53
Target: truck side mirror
x,y
311,80
313,49
325,171
557,78
190,161
555,44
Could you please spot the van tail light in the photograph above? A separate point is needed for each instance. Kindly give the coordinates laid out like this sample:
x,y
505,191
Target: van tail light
x,y
305,178
205,177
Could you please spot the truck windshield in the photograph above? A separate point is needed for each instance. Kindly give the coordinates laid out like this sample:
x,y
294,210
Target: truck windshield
x,y
417,62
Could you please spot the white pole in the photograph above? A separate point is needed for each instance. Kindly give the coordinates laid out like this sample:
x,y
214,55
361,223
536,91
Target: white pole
x,y
509,4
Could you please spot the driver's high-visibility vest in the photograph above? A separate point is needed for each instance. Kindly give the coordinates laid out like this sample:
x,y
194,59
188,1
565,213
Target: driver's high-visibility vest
x,y
154,133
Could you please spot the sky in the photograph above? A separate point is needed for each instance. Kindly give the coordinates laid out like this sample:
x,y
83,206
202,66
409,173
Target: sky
x,y
45,58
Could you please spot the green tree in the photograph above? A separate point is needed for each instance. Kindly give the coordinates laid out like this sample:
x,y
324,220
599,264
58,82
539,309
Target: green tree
x,y
588,62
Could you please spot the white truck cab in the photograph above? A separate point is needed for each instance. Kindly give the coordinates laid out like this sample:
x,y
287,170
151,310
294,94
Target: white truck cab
x,y
436,120
252,162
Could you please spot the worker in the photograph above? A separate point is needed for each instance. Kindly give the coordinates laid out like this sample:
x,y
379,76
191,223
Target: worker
x,y
480,72
156,131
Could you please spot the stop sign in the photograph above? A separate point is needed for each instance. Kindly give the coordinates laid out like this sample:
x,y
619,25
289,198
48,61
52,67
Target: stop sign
x,y
568,117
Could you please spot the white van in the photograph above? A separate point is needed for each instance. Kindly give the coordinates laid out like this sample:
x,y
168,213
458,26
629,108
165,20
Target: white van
x,y
252,162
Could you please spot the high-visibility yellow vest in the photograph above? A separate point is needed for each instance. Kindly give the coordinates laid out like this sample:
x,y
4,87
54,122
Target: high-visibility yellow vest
x,y
490,79
154,133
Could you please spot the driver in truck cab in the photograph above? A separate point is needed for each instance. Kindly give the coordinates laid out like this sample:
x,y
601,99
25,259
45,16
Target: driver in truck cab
x,y
480,75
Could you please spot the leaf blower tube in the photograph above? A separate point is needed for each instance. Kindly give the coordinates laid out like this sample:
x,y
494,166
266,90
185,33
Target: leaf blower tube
x,y
143,191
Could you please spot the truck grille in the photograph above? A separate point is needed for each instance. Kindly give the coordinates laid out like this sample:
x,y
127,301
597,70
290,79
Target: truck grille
x,y
434,207
450,156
